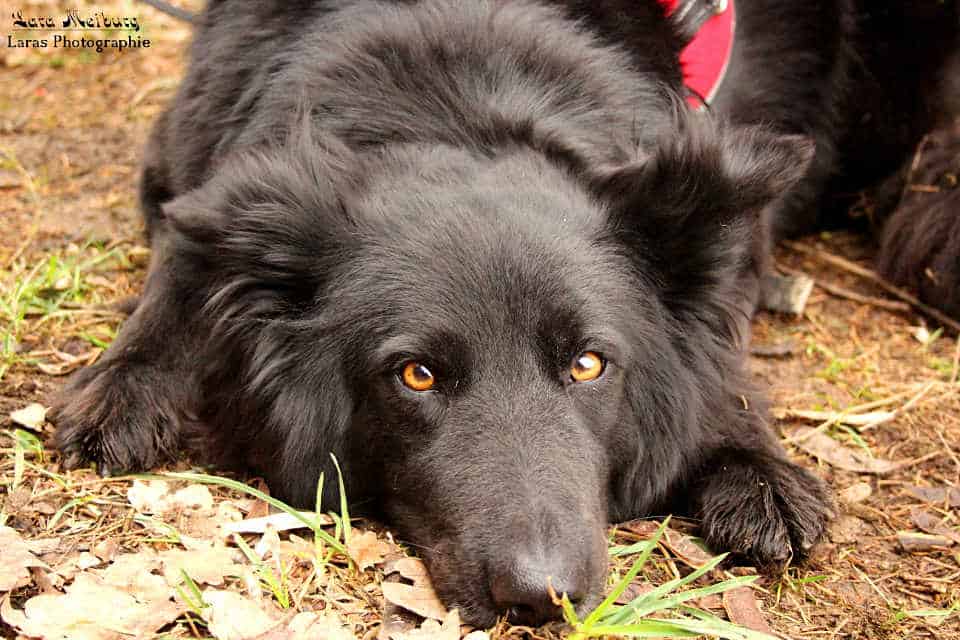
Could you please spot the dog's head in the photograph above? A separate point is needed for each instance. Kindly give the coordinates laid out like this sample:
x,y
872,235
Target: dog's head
x,y
502,351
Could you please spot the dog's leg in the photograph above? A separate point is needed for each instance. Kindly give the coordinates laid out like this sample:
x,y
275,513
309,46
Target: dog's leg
x,y
124,412
757,504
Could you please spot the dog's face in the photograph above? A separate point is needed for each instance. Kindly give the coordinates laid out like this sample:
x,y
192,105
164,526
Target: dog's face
x,y
491,345
490,370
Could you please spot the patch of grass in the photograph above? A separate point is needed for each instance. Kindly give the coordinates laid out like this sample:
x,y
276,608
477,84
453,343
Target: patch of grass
x,y
193,598
276,584
933,616
635,619
942,366
791,580
48,289
320,534
844,432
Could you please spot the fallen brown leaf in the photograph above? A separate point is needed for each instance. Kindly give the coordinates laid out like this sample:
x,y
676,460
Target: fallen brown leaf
x,y
856,493
15,560
633,590
206,566
367,550
825,448
421,600
447,629
231,616
937,495
928,522
743,609
680,544
90,610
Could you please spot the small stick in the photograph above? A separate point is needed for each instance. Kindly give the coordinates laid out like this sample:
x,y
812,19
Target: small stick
x,y
908,405
867,274
841,292
956,363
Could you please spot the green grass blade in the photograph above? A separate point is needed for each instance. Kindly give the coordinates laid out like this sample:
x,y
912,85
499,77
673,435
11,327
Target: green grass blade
x,y
715,626
679,598
243,488
344,512
644,629
629,550
624,613
621,586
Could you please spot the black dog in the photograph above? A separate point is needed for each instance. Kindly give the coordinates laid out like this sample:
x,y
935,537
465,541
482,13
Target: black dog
x,y
485,254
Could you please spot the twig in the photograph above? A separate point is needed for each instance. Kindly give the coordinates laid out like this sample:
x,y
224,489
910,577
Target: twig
x,y
908,405
23,247
872,276
956,363
914,165
841,292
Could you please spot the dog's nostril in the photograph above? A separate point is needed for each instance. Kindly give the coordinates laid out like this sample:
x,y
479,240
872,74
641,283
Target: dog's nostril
x,y
523,593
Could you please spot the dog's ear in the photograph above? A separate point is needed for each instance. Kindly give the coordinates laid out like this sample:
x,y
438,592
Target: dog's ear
x,y
691,212
266,228
263,236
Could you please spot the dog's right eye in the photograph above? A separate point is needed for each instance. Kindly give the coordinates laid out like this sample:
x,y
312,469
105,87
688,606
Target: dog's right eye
x,y
417,377
587,366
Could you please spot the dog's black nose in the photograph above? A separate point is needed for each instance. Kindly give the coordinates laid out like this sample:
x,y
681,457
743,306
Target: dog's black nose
x,y
522,589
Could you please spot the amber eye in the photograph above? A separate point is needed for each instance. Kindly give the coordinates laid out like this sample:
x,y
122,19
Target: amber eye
x,y
586,367
417,377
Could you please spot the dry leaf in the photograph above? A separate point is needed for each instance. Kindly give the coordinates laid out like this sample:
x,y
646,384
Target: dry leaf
x,y
15,560
154,497
931,524
194,496
856,493
206,566
680,544
31,416
633,591
448,629
937,495
313,626
366,550
106,550
133,572
91,610
421,600
825,448
743,609
396,620
232,616
150,496
847,529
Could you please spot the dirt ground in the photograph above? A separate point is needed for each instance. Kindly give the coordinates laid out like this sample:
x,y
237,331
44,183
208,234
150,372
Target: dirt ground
x,y
880,379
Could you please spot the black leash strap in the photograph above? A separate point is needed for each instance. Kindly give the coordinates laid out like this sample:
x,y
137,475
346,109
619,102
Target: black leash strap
x,y
691,15
170,10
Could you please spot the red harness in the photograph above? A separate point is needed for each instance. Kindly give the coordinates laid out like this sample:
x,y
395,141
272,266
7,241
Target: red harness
x,y
704,60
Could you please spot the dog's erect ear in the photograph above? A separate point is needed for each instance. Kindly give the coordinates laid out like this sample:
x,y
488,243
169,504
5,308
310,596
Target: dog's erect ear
x,y
692,211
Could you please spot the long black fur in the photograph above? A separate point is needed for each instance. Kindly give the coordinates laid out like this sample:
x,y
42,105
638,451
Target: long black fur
x,y
490,188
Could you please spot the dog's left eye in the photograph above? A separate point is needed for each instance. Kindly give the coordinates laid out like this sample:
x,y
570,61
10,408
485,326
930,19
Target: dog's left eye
x,y
417,377
587,366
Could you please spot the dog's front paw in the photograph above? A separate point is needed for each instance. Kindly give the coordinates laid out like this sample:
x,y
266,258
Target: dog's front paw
x,y
117,416
765,509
